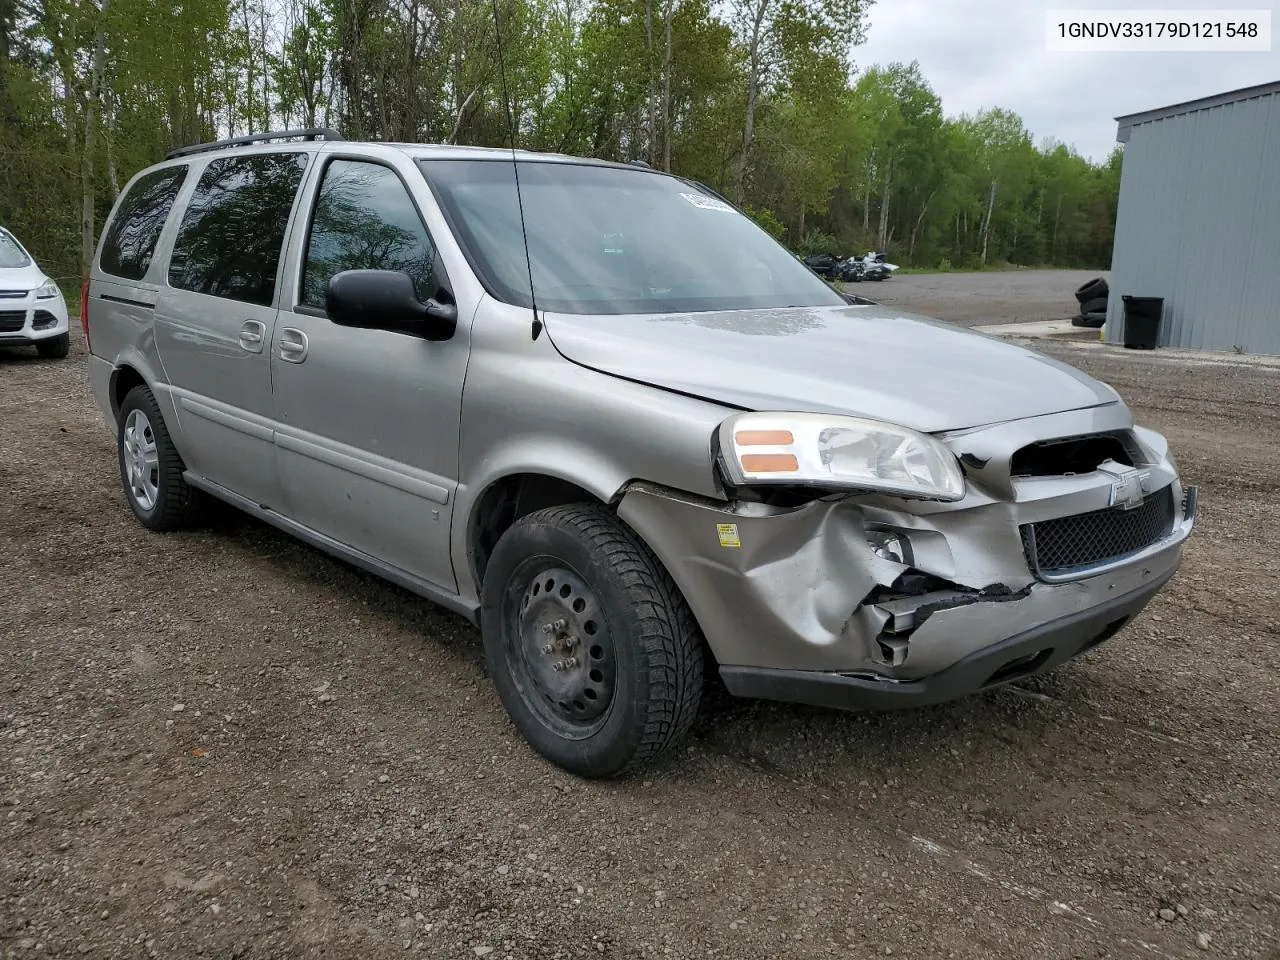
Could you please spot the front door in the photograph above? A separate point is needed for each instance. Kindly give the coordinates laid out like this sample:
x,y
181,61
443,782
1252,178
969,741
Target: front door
x,y
367,420
215,318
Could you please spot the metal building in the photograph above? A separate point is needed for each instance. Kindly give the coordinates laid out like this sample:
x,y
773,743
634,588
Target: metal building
x,y
1199,221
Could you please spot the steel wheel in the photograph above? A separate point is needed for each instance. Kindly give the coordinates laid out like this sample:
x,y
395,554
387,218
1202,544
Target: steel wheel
x,y
141,460
594,652
564,656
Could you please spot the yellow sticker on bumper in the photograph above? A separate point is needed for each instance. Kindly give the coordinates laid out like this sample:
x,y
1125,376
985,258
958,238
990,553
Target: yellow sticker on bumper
x,y
728,534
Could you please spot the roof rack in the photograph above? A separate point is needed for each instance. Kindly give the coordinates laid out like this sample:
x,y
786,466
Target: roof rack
x,y
318,133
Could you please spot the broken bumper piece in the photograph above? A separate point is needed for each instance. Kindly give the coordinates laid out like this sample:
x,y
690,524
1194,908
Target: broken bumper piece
x,y
1033,651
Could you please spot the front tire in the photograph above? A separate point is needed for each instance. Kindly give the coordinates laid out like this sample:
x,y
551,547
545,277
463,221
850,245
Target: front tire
x,y
151,468
595,654
54,348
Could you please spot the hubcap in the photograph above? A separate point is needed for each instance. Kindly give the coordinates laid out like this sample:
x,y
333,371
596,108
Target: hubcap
x,y
566,649
141,460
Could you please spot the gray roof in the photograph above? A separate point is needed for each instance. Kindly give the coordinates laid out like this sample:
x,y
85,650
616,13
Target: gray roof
x,y
1131,120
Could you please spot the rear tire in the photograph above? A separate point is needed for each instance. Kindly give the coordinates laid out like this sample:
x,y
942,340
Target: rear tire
x,y
602,670
151,468
55,348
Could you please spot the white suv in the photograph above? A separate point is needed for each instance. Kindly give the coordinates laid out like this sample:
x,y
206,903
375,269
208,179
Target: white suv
x,y
33,311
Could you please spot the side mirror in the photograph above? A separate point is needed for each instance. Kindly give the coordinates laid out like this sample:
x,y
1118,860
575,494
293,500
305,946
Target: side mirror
x,y
386,300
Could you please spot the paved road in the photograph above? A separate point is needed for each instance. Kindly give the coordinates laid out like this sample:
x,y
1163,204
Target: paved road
x,y
973,299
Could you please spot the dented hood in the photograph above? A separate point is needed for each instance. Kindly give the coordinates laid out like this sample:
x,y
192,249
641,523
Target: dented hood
x,y
868,361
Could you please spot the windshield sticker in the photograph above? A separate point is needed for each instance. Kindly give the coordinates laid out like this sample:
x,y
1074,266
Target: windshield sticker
x,y
703,202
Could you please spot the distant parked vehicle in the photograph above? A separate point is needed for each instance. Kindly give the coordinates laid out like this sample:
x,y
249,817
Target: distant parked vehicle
x,y
876,267
33,311
851,270
824,265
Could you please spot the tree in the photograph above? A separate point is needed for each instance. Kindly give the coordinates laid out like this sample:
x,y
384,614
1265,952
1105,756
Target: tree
x,y
756,98
1004,161
779,36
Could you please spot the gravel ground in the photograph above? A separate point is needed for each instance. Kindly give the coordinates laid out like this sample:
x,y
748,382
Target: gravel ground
x,y
974,299
224,744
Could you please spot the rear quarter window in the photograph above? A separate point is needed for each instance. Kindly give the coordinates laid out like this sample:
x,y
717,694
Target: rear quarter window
x,y
130,241
234,227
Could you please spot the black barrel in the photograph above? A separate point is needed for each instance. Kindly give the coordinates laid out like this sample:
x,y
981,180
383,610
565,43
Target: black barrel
x,y
1142,321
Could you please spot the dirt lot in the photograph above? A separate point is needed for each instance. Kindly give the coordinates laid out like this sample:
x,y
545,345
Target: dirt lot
x,y
224,744
973,299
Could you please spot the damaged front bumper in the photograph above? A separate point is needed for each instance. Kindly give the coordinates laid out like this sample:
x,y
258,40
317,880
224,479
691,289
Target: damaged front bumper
x,y
871,602
1037,650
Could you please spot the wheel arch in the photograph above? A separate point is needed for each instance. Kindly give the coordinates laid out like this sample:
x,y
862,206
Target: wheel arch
x,y
124,378
510,496
133,368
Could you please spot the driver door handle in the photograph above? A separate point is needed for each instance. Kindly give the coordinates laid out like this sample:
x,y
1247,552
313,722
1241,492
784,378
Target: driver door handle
x,y
293,345
252,333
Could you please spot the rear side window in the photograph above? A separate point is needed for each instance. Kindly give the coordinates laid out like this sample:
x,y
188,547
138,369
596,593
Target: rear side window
x,y
365,220
130,241
234,227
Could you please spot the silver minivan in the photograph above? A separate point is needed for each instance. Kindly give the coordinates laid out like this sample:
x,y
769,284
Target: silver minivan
x,y
595,409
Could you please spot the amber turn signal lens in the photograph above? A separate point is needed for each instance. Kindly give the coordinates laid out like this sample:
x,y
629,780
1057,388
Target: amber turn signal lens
x,y
770,463
764,438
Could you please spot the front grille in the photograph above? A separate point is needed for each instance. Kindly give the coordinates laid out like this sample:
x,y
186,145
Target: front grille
x,y
11,321
1071,543
12,294
42,320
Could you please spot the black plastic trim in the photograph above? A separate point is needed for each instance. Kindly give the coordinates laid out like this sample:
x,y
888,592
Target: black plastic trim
x,y
127,301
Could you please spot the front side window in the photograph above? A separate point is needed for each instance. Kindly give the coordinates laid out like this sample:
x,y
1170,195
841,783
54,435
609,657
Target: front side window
x,y
365,220
11,252
131,239
233,230
611,240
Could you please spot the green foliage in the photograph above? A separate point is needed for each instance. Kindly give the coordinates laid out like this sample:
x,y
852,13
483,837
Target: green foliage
x,y
767,222
815,241
752,97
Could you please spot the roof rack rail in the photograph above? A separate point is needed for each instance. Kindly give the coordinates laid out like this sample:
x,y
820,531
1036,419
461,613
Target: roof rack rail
x,y
318,133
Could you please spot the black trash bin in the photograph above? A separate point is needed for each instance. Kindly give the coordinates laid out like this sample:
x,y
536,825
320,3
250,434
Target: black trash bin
x,y
1142,321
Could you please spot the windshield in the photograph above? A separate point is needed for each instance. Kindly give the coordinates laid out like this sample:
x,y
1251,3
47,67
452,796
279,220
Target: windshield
x,y
11,252
610,241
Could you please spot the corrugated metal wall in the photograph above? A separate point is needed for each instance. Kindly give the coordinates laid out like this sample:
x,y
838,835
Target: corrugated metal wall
x,y
1199,224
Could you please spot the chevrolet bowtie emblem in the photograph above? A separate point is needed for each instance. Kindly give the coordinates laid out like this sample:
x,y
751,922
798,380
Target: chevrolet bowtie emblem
x,y
1128,484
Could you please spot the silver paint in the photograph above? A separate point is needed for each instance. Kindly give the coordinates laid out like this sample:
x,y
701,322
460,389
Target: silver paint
x,y
871,361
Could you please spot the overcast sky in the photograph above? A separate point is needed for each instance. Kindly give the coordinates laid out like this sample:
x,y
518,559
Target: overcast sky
x,y
988,53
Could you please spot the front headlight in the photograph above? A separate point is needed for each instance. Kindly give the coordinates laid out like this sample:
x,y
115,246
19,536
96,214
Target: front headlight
x,y
47,290
810,449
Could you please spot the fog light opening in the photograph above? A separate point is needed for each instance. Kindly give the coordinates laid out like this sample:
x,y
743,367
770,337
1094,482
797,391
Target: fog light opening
x,y
890,544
